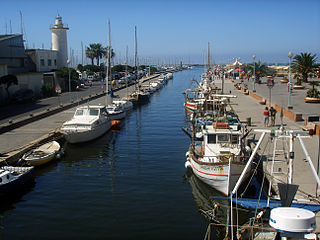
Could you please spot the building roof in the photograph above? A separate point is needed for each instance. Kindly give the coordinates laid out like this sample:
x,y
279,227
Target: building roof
x,y
8,36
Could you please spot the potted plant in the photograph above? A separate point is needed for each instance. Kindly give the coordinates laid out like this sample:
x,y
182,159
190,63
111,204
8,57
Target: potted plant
x,y
284,79
313,94
298,84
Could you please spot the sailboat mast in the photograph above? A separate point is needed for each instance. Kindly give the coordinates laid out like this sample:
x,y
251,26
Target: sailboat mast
x,y
209,56
136,55
127,70
108,63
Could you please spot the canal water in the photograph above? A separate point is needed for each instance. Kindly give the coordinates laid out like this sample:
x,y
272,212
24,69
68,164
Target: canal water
x,y
128,184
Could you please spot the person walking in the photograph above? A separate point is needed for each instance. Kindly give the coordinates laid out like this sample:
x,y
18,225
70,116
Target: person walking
x,y
266,116
273,113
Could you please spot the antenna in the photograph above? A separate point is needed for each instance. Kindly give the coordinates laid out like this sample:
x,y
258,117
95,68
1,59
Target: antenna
x,y
10,27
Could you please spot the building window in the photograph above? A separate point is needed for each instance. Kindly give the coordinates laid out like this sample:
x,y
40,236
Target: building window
x,y
55,62
49,62
42,62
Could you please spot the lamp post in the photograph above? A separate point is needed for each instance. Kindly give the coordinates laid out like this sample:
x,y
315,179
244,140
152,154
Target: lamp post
x,y
70,97
254,74
239,67
290,55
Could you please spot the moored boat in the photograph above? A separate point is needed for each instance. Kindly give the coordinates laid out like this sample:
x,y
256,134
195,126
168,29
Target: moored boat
x,y
115,112
217,154
14,178
88,123
43,154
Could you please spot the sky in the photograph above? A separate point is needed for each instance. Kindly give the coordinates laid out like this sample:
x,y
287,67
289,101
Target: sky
x,y
170,31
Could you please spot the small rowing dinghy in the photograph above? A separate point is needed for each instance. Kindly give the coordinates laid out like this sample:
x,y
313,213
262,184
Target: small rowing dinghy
x,y
43,154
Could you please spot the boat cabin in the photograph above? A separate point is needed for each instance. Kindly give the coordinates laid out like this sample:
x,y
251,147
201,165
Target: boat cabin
x,y
221,140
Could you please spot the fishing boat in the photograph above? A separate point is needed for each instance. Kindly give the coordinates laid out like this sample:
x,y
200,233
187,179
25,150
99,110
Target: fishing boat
x,y
43,154
115,111
14,178
217,154
88,123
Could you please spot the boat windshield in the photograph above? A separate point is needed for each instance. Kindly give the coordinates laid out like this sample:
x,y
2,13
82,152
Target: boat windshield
x,y
79,112
222,138
234,139
93,112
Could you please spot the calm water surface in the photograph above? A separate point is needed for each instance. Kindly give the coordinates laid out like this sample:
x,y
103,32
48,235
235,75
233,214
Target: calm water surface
x,y
128,184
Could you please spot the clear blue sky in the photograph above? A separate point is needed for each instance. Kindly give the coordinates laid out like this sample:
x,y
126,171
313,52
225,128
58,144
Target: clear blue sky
x,y
175,29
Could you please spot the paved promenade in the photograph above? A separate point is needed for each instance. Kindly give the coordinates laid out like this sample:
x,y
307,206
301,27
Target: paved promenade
x,y
279,96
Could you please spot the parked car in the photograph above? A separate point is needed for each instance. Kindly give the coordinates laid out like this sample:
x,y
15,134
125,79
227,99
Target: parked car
x,y
23,95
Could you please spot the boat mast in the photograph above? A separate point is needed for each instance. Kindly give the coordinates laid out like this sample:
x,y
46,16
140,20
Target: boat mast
x,y
108,62
136,64
127,71
209,56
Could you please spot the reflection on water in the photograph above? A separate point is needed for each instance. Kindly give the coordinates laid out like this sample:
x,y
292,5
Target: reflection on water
x,y
214,210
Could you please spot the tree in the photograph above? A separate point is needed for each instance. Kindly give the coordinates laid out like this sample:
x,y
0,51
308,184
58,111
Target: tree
x,y
304,64
74,76
8,80
261,70
99,51
90,54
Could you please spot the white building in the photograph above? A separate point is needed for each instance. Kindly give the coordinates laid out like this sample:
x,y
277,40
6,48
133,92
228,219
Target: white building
x,y
45,60
59,41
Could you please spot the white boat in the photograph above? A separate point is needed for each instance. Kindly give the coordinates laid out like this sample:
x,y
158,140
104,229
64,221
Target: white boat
x,y
88,123
217,159
43,154
125,104
13,178
115,112
217,154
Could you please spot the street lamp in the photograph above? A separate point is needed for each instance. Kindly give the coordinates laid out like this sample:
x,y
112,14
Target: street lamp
x,y
70,97
290,55
254,74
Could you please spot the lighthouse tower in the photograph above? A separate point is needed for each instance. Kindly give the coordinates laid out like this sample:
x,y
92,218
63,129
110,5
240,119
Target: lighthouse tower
x,y
59,41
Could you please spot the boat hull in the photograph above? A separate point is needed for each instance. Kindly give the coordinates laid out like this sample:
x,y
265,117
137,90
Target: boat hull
x,y
18,183
79,136
190,105
41,161
216,175
117,116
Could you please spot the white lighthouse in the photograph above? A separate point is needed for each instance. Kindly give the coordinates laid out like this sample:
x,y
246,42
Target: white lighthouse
x,y
59,41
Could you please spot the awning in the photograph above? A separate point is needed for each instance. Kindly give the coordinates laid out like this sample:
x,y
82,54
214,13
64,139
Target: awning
x,y
237,63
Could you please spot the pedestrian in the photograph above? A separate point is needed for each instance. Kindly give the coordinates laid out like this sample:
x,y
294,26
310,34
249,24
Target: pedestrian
x,y
266,117
273,113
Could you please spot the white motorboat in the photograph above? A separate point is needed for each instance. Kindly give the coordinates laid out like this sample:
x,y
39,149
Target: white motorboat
x,y
115,112
125,104
88,123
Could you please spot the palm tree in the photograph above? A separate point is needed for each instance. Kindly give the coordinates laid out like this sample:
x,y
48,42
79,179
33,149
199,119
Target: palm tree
x,y
304,64
90,54
261,70
112,53
95,50
99,51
